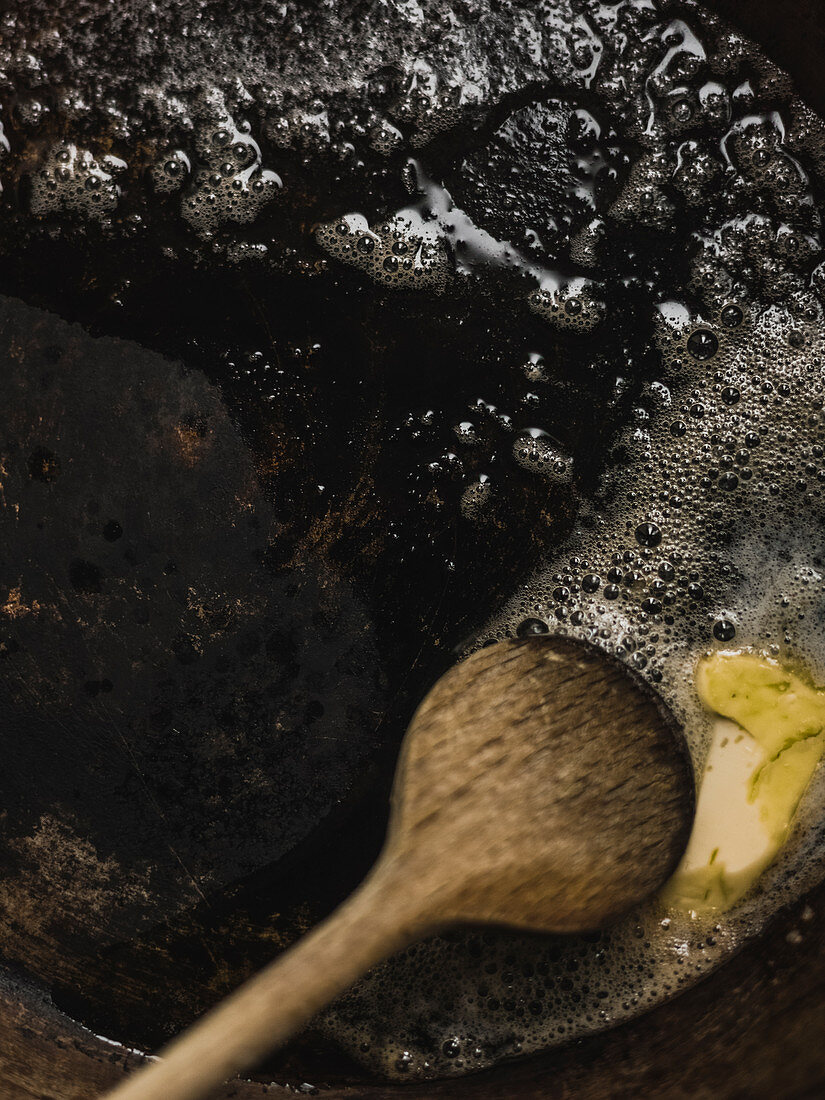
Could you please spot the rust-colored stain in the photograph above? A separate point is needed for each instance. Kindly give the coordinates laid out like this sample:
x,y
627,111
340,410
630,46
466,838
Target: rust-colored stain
x,y
193,441
181,708
70,873
15,606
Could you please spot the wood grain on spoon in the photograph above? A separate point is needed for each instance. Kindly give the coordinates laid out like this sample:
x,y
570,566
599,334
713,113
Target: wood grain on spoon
x,y
540,786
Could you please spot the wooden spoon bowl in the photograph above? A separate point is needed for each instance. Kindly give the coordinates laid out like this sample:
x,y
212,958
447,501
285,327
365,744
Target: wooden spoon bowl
x,y
541,785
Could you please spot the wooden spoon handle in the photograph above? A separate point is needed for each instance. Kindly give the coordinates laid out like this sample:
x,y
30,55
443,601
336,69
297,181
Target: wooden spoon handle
x,y
381,917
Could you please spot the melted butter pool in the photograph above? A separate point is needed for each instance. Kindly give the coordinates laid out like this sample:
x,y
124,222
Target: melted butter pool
x,y
768,737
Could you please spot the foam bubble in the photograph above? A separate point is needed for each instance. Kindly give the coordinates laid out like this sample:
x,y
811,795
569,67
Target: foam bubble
x,y
170,172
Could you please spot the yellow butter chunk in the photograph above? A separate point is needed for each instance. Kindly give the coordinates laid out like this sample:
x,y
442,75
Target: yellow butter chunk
x,y
768,738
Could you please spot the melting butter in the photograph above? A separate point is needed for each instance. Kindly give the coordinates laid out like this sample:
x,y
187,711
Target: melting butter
x,y
768,737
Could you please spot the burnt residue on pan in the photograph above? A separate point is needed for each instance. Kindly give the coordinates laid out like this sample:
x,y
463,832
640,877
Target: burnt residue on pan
x,y
363,300
234,560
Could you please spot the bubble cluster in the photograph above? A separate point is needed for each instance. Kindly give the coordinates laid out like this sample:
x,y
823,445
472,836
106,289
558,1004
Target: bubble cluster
x,y
429,105
475,500
385,138
536,452
71,180
727,460
575,307
301,127
229,184
392,253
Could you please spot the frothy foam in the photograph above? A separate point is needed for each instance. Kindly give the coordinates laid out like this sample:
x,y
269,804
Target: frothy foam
x,y
706,528
679,561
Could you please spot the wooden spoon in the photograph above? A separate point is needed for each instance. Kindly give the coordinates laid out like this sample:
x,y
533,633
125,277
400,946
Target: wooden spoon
x,y
541,785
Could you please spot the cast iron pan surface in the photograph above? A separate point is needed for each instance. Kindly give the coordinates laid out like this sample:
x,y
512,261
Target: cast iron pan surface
x,y
226,576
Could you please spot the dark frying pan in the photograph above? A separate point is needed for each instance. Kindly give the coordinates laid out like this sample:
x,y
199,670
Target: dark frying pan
x,y
755,1028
